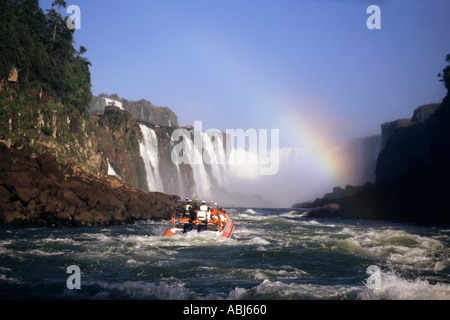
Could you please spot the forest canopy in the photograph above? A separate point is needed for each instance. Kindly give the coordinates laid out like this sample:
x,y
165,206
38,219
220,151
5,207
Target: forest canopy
x,y
40,46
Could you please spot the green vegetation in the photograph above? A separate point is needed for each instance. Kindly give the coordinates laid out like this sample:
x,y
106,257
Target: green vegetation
x,y
45,91
446,74
118,137
45,83
141,110
40,47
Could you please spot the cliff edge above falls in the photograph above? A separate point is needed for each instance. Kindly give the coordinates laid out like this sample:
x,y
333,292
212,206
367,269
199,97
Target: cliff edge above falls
x,y
141,110
36,190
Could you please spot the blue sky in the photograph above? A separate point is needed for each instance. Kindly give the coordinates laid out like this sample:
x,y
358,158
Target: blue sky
x,y
253,63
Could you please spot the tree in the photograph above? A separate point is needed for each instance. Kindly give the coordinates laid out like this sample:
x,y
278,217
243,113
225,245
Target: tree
x,y
57,4
47,60
446,74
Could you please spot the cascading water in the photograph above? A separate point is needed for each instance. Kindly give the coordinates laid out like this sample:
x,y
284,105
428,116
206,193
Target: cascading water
x,y
231,176
208,171
111,170
199,173
214,155
150,154
201,179
175,184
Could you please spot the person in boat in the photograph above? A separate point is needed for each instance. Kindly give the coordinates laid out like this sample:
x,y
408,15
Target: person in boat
x,y
189,211
214,213
223,217
203,213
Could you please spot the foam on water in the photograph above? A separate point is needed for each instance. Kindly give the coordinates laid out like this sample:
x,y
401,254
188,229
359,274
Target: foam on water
x,y
395,287
250,211
273,254
276,290
401,248
293,214
284,272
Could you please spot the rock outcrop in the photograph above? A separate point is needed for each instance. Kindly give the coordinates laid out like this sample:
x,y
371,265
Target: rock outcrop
x,y
406,139
36,190
141,110
415,191
413,172
116,135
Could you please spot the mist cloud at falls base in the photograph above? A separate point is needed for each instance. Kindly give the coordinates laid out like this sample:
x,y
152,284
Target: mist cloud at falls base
x,y
303,174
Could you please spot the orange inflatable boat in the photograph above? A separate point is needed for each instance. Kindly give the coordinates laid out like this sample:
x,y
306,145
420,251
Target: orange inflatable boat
x,y
201,216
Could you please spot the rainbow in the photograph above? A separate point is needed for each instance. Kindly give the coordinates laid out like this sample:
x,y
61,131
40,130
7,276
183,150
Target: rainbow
x,y
317,139
303,122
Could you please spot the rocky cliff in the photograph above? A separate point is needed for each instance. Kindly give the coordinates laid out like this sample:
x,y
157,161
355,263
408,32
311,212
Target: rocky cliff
x,y
412,172
117,138
406,139
89,141
37,190
55,156
141,110
54,167
412,177
414,187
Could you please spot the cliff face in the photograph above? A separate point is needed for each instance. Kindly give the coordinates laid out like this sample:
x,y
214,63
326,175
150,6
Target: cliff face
x,y
117,138
54,167
175,179
55,155
53,126
36,190
412,176
406,139
141,110
88,141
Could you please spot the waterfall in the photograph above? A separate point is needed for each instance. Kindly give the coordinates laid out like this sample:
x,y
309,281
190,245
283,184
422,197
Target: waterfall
x,y
150,154
214,155
232,178
111,170
171,179
174,185
200,176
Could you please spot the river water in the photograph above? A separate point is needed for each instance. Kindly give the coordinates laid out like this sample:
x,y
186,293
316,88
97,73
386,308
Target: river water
x,y
274,254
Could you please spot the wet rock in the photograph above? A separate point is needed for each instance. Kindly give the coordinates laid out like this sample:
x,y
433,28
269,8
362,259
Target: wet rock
x,y
327,211
26,194
36,190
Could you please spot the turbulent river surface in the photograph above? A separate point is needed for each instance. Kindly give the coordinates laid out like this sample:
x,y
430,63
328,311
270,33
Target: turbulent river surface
x,y
274,254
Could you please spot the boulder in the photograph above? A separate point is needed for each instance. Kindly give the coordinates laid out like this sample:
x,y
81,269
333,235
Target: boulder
x,y
330,210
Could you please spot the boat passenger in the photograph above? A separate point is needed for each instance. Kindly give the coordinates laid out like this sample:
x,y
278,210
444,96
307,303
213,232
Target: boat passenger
x,y
189,211
204,213
223,216
214,213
